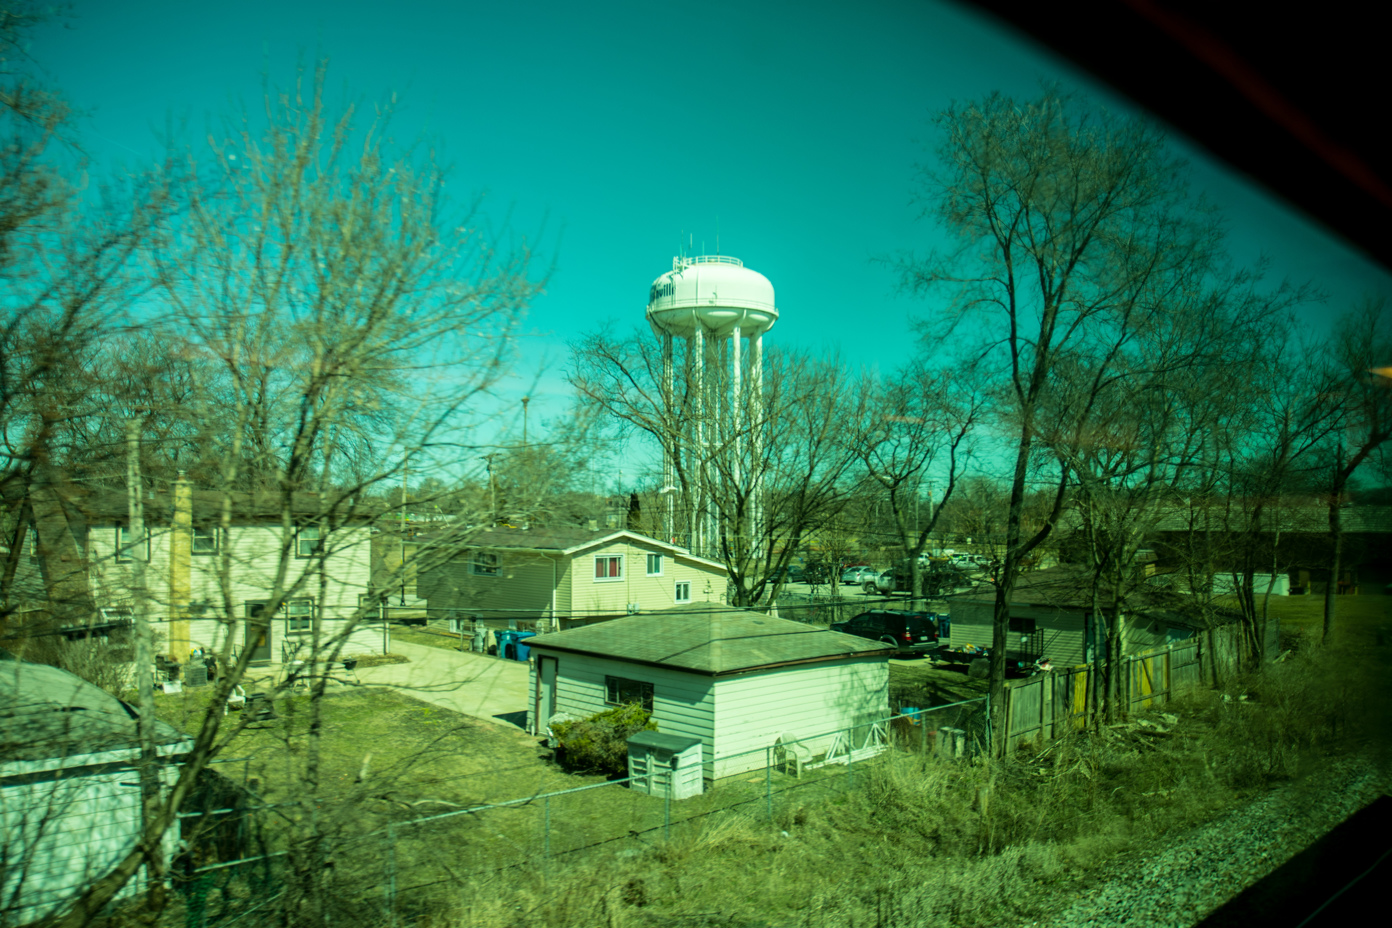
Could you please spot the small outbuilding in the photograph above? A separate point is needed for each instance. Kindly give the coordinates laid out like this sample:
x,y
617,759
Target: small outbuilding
x,y
738,681
69,789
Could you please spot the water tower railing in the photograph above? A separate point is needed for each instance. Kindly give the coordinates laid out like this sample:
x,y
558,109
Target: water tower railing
x,y
678,263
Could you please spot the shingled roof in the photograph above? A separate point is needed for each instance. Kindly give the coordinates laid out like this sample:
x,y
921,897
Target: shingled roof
x,y
47,713
712,639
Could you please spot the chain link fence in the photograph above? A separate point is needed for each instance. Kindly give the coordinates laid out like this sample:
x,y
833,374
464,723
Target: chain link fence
x,y
406,868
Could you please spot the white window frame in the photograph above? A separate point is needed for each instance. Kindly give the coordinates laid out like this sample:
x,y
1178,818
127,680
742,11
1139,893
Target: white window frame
x,y
299,615
485,564
616,559
309,539
213,531
293,621
654,560
677,591
123,546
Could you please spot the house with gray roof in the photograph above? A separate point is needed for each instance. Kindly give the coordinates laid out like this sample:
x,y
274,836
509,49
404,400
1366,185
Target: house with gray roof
x,y
738,681
558,578
69,791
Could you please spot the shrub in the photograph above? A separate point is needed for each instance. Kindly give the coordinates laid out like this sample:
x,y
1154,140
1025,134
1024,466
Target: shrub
x,y
600,742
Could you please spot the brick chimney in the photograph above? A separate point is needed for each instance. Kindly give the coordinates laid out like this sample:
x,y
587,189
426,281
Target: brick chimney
x,y
180,566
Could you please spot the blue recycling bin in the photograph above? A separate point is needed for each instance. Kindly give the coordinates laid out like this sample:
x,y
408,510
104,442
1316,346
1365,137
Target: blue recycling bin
x,y
507,644
523,649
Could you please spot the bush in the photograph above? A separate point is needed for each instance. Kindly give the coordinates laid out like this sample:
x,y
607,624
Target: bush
x,y
600,742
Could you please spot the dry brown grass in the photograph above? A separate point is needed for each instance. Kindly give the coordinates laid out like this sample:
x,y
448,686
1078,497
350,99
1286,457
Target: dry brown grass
x,y
919,841
924,842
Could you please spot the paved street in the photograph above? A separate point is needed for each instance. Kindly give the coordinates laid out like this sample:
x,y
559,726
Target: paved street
x,y
473,684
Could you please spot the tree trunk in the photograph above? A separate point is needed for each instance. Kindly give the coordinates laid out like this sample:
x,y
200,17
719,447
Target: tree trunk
x,y
1336,532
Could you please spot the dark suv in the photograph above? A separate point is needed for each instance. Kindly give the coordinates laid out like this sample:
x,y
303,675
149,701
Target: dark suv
x,y
910,632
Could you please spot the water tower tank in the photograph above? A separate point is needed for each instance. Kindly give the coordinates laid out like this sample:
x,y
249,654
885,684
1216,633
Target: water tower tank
x,y
715,291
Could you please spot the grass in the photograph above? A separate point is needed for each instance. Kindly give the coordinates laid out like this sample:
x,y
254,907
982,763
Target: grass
x,y
923,842
916,841
429,637
916,682
1357,618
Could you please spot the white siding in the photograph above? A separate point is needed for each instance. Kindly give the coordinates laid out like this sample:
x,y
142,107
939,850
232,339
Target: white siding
x,y
753,710
589,596
59,835
731,715
254,556
683,703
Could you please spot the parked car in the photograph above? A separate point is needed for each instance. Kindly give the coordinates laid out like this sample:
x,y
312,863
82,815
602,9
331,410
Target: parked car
x,y
908,632
855,576
816,572
894,580
793,573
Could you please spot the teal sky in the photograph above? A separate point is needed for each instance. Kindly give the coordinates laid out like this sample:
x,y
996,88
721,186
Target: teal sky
x,y
606,133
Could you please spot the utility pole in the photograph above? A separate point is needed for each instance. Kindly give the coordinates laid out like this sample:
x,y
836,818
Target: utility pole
x,y
492,492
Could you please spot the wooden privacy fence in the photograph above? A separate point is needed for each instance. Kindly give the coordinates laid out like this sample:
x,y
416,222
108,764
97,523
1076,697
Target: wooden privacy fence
x,y
1049,704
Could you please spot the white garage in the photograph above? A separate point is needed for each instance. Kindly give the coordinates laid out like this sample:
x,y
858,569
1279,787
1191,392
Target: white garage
x,y
736,680
69,791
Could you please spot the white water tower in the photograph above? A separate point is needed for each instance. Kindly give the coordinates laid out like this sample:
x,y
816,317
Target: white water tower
x,y
712,304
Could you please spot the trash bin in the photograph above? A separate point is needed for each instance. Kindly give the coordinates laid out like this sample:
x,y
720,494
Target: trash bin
x,y
507,644
523,650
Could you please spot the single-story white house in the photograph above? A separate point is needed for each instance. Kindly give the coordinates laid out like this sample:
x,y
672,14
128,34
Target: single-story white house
x,y
69,791
739,681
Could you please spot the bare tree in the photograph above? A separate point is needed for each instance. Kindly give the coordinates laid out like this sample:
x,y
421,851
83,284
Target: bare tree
x,y
338,322
1076,233
1362,342
64,251
765,477
920,426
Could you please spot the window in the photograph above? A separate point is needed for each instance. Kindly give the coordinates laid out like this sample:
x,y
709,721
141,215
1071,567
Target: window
x,y
608,567
1024,626
299,615
308,541
654,565
683,591
485,564
125,544
206,539
619,691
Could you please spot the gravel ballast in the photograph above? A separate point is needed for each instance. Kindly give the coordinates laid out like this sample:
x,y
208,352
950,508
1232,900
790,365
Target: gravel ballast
x,y
1201,870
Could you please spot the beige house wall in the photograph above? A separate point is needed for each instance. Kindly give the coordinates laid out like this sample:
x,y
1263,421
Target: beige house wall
x,y
589,596
253,559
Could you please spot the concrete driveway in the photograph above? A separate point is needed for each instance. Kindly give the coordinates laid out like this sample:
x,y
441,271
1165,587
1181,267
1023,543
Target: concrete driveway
x,y
474,684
